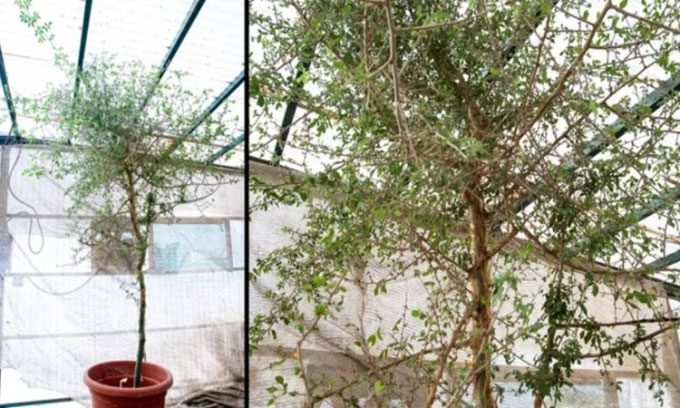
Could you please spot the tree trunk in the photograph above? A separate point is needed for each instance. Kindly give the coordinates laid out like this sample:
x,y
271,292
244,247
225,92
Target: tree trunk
x,y
142,318
480,284
141,239
538,401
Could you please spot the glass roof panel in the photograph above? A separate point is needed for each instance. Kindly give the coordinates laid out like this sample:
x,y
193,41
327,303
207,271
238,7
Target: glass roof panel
x,y
134,30
209,61
211,64
130,31
28,62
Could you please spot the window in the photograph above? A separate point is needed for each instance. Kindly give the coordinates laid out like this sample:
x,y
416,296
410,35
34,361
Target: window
x,y
237,240
582,395
191,247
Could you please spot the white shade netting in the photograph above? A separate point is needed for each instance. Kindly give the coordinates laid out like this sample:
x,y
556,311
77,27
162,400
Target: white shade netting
x,y
60,316
328,351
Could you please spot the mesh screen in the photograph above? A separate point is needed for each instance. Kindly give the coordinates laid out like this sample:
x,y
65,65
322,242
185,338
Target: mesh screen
x,y
324,354
60,316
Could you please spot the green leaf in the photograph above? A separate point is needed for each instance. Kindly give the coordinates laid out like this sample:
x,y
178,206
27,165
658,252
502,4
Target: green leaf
x,y
546,7
371,340
663,59
318,281
320,310
378,388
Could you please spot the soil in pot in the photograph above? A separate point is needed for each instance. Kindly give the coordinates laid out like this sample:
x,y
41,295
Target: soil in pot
x,y
110,385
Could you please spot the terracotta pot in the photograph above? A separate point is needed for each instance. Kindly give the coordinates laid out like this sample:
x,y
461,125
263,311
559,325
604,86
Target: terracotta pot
x,y
110,384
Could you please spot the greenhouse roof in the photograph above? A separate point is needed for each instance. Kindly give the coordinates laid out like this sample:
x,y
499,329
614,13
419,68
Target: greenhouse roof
x,y
203,39
278,148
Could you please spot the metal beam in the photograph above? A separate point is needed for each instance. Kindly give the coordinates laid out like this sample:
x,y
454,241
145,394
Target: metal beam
x,y
657,204
181,34
523,36
174,46
36,402
636,216
83,44
289,114
231,87
227,148
6,140
672,289
664,262
652,101
8,96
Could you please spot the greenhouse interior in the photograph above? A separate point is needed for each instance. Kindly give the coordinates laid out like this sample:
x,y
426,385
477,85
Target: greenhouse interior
x,y
316,204
464,204
122,128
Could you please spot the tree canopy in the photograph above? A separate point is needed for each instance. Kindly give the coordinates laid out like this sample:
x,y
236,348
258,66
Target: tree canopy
x,y
131,152
462,143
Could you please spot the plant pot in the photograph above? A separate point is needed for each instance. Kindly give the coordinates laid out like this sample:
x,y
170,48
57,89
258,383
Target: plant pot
x,y
105,379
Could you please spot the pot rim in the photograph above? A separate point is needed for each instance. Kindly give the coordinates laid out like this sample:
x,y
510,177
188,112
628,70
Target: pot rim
x,y
155,389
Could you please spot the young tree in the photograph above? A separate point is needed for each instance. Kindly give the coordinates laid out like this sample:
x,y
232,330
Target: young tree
x,y
463,142
130,151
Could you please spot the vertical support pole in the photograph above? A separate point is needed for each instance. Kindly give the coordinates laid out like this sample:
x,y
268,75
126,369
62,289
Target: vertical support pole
x,y
671,358
5,244
289,114
227,234
611,393
83,43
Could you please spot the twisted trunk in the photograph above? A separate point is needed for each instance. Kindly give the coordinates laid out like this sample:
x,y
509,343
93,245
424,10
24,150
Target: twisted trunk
x,y
480,285
141,327
141,240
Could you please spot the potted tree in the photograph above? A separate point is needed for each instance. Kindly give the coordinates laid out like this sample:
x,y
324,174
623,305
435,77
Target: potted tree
x,y
130,149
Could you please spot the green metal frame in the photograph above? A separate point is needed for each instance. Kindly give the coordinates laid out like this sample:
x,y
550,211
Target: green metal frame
x,y
227,148
36,402
87,11
174,46
179,38
230,89
289,114
664,262
8,96
636,216
7,139
652,101
511,49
